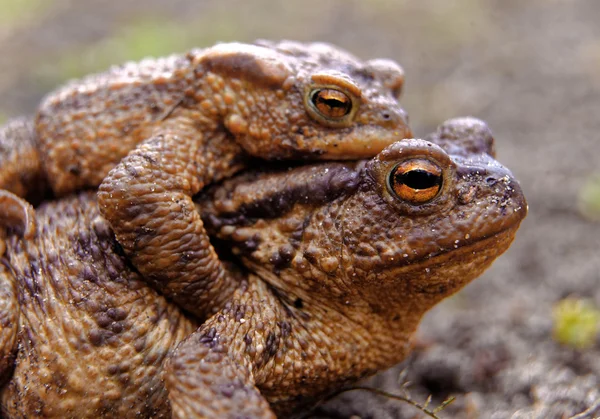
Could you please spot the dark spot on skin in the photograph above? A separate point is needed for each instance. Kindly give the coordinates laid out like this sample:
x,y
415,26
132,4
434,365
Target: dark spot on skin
x,y
240,311
210,338
186,257
271,345
251,244
212,333
103,320
117,314
287,253
98,337
117,327
298,303
286,329
282,258
247,339
132,171
148,157
277,263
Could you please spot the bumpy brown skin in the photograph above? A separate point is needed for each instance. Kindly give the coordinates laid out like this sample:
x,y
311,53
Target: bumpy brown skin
x,y
341,272
90,337
253,93
194,119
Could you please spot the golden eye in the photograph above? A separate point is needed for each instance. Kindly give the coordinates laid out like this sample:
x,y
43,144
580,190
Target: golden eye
x,y
331,103
416,181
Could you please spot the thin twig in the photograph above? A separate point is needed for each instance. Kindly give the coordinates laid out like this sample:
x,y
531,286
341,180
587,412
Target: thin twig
x,y
422,408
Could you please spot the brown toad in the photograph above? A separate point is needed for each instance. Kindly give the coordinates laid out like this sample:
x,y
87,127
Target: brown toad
x,y
340,261
81,335
188,120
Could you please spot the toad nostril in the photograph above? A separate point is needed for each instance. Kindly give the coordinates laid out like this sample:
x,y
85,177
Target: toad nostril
x,y
386,116
491,180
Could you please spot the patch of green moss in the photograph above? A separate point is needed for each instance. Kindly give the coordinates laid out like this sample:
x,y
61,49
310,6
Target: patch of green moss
x,y
576,322
589,198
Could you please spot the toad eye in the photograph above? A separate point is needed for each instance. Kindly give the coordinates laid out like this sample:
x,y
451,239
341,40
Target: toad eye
x,y
331,103
416,181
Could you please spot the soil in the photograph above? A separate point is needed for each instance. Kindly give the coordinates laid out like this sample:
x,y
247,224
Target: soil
x,y
531,69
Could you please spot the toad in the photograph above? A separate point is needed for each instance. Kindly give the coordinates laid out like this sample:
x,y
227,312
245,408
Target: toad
x,y
175,124
332,266
81,335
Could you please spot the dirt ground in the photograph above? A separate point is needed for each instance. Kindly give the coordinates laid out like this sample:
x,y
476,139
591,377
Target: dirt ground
x,y
530,68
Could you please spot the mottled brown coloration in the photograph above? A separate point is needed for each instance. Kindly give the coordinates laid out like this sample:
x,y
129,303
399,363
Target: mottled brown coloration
x,y
342,272
173,125
254,92
337,273
90,337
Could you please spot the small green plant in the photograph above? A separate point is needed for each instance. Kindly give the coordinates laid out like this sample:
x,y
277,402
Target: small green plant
x,y
576,322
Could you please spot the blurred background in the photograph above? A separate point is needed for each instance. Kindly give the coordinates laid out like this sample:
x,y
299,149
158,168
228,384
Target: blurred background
x,y
521,341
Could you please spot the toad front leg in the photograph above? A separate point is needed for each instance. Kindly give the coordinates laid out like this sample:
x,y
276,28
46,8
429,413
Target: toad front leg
x,y
262,354
211,374
147,199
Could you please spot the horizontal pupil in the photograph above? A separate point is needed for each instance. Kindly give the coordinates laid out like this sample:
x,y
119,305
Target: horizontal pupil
x,y
419,179
333,103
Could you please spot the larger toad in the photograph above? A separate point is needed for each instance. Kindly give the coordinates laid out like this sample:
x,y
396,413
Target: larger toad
x,y
188,120
341,260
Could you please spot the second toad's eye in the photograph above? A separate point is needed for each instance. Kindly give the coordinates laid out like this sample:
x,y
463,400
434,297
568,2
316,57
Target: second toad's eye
x,y
416,181
331,103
